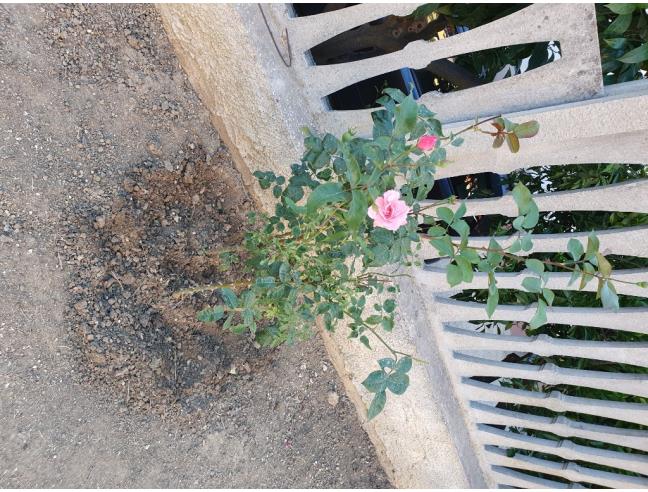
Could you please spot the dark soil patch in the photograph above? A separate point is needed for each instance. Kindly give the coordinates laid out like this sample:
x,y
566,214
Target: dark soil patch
x,y
162,233
114,188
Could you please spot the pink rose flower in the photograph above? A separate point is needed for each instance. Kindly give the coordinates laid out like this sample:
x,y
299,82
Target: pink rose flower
x,y
426,142
389,211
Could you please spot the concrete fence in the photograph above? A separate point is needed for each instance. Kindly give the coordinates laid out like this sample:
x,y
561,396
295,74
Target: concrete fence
x,y
251,65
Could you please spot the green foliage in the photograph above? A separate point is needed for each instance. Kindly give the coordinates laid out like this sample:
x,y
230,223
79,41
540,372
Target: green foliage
x,y
582,256
319,256
392,376
622,32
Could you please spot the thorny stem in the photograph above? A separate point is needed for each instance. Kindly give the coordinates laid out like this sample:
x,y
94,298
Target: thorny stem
x,y
369,274
393,351
520,259
475,126
450,199
210,288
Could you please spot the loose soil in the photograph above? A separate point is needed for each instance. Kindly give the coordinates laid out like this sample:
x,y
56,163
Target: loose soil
x,y
115,192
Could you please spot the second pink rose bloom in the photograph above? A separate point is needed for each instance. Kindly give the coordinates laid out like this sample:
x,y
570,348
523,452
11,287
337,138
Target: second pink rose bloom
x,y
426,142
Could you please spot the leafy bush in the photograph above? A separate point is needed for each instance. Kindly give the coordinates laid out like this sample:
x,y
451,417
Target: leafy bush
x,y
341,216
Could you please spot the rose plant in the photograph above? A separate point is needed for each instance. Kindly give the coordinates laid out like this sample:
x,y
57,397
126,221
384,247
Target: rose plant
x,y
352,206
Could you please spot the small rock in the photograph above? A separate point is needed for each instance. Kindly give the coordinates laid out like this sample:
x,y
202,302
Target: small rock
x,y
80,307
100,222
133,42
154,150
97,359
129,185
333,398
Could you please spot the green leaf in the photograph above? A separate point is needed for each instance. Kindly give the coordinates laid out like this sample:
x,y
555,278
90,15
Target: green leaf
x,y
609,297
587,268
494,256
604,266
527,130
515,246
518,223
387,324
265,281
532,216
357,210
462,228
376,382
548,295
575,249
592,246
403,365
457,142
574,276
324,194
339,166
211,315
330,143
405,115
535,265
284,269
454,275
622,8
365,341
445,214
616,43
498,141
527,243
619,26
353,171
396,94
386,362
532,284
493,295
471,255
389,305
229,297
522,197
461,211
382,236
466,269
377,405
540,316
248,318
513,142
443,245
397,382
637,55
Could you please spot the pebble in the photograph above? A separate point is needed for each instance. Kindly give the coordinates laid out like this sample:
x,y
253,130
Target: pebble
x,y
100,222
154,150
333,398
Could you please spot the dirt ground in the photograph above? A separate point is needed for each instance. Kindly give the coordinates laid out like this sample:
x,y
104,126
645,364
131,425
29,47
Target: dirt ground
x,y
114,192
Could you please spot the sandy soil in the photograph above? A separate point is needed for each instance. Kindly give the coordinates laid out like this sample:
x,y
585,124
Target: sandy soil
x,y
114,189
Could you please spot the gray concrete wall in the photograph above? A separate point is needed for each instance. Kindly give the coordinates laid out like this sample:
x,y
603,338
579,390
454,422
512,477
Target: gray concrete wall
x,y
252,70
254,100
